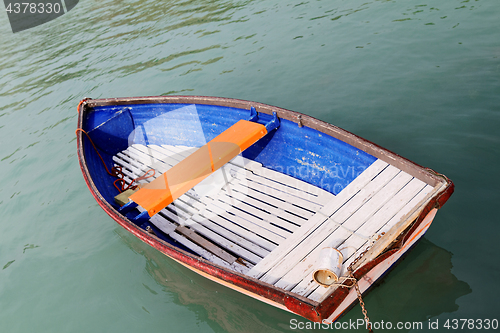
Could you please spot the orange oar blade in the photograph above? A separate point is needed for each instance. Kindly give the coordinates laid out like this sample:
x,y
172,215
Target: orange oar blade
x,y
183,176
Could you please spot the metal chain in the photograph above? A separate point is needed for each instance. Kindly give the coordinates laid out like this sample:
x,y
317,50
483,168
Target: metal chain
x,y
358,291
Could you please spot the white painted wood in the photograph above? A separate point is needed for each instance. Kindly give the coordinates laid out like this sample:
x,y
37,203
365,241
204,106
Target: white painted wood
x,y
351,215
166,227
249,205
248,220
250,225
175,215
167,157
242,163
199,223
214,221
253,210
206,244
136,154
178,212
268,186
217,210
280,204
267,203
399,227
273,188
163,224
224,242
373,275
298,278
319,293
278,191
211,185
296,186
353,190
143,155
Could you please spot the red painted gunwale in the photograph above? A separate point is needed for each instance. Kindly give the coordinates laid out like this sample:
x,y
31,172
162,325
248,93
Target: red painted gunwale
x,y
302,306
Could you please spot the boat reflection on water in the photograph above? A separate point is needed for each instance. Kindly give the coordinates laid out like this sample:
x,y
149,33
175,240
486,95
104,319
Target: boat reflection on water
x,y
212,302
421,287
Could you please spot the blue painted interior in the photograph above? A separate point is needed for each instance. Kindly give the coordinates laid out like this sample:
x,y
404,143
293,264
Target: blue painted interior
x,y
301,152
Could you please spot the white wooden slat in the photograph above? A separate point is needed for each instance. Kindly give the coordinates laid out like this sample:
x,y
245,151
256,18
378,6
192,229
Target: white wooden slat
x,y
351,216
236,198
169,229
242,222
241,163
181,152
207,255
255,224
293,195
182,218
232,193
377,201
127,170
254,247
253,200
206,244
286,206
176,214
250,205
143,154
224,242
151,161
152,150
318,219
163,163
176,151
278,191
212,218
384,216
299,278
311,192
130,164
319,293
414,202
173,212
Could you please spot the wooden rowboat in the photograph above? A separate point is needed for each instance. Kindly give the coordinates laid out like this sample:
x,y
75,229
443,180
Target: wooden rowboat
x,y
250,195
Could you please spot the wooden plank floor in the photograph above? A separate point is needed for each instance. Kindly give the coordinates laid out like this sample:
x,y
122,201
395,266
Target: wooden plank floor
x,y
250,212
277,224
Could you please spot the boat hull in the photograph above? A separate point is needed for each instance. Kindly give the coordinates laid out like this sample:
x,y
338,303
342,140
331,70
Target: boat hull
x,y
326,310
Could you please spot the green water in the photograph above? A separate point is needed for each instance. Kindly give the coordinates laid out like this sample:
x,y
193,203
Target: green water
x,y
421,78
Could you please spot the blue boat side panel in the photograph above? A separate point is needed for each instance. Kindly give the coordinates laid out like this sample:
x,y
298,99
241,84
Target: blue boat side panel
x,y
300,152
110,131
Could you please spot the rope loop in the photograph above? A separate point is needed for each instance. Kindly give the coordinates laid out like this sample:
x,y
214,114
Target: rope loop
x,y
117,171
